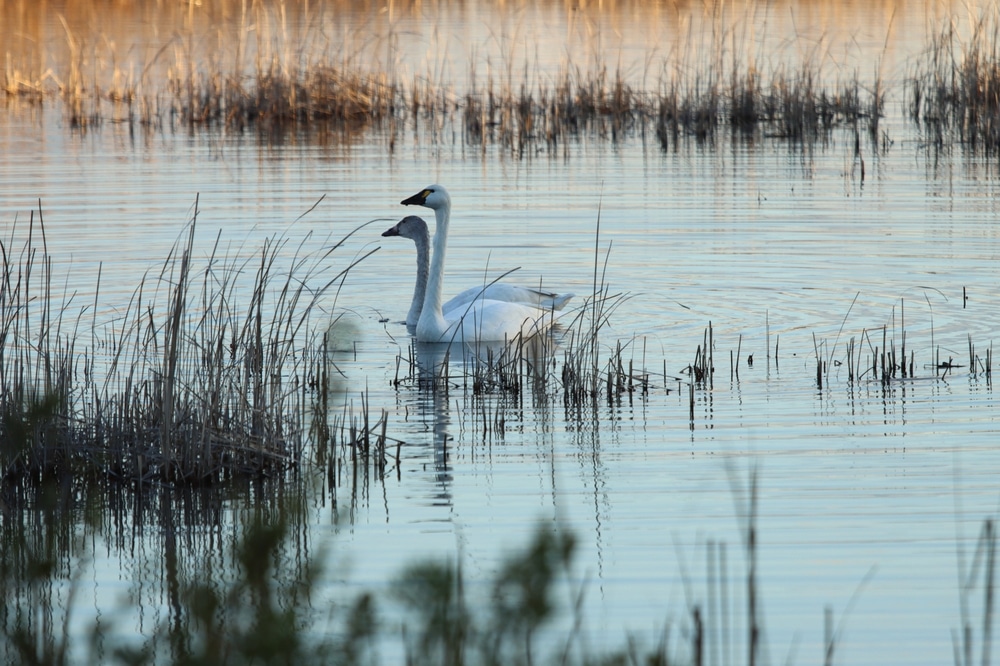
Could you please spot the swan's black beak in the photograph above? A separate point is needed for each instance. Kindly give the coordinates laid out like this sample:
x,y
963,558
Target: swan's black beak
x,y
394,231
417,199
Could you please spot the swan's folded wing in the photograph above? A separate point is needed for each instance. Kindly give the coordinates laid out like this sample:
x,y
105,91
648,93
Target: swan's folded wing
x,y
485,320
508,293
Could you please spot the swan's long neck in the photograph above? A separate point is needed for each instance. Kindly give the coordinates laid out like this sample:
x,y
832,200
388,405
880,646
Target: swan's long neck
x,y
420,287
431,324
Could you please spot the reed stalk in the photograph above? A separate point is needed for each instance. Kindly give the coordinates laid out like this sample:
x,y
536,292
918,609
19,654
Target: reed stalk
x,y
274,69
204,371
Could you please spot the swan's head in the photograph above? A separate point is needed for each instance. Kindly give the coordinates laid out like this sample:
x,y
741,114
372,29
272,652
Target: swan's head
x,y
411,227
432,196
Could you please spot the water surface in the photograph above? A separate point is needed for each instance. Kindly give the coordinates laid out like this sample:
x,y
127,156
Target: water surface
x,y
867,492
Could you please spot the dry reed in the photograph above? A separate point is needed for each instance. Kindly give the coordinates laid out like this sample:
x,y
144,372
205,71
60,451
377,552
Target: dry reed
x,y
268,71
954,93
202,378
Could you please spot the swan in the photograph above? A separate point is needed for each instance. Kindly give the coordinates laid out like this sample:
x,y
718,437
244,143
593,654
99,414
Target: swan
x,y
482,320
415,228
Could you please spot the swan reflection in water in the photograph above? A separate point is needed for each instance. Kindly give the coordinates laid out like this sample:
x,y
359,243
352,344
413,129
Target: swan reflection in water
x,y
447,374
434,379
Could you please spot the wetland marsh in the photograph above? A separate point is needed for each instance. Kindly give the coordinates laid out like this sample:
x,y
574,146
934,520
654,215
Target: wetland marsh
x,y
790,209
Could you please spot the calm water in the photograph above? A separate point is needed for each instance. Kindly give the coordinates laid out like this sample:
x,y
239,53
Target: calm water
x,y
771,243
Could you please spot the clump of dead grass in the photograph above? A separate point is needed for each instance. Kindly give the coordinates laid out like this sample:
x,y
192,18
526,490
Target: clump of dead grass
x,y
203,377
267,70
954,92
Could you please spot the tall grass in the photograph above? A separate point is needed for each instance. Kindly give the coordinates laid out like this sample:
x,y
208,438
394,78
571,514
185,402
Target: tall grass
x,y
212,374
276,68
205,375
954,92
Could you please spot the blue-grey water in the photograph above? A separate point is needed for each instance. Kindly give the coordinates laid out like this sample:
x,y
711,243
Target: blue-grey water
x,y
871,496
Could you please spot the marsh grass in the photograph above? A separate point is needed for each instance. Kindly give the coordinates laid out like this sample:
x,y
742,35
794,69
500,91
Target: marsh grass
x,y
488,376
584,374
528,611
980,362
954,92
363,444
886,354
571,359
204,376
587,373
274,68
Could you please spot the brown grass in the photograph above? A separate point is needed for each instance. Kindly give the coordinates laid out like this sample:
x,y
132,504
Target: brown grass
x,y
202,378
954,93
274,68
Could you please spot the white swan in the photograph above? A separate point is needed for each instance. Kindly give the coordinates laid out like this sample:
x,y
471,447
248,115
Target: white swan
x,y
415,228
482,320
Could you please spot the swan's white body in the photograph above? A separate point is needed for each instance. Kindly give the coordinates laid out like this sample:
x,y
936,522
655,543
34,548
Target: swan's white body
x,y
415,229
482,320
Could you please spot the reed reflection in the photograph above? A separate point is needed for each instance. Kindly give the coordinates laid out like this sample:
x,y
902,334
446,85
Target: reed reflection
x,y
490,378
350,441
433,384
